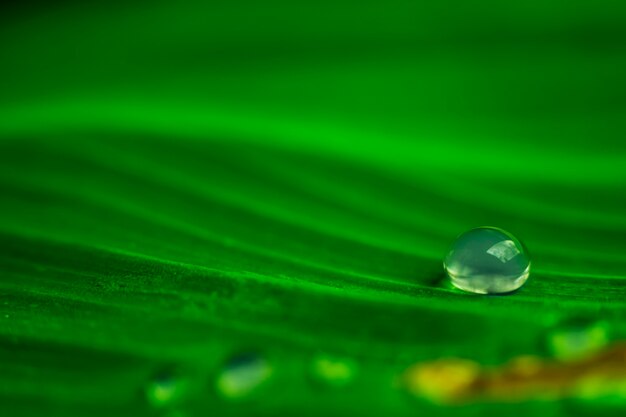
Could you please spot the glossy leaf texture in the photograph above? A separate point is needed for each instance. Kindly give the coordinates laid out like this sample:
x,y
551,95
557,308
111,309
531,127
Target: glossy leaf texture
x,y
184,186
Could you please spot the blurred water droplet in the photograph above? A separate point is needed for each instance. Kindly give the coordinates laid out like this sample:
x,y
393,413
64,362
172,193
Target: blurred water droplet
x,y
332,371
242,375
525,365
442,381
578,338
165,388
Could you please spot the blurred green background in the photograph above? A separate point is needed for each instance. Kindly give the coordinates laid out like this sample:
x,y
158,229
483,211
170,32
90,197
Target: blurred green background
x,y
242,207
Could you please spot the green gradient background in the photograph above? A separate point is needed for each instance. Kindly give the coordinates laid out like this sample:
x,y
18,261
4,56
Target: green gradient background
x,y
180,183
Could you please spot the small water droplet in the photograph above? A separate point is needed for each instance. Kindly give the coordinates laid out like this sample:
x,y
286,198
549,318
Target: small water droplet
x,y
578,338
333,371
487,260
166,388
242,375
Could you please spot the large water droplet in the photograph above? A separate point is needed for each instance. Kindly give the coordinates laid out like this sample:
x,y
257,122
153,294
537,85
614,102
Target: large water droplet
x,y
487,260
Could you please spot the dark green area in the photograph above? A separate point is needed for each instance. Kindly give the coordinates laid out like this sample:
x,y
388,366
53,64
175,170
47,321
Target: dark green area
x,y
181,184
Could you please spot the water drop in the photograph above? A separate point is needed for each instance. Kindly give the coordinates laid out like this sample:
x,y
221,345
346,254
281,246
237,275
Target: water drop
x,y
576,339
165,389
242,375
487,260
332,371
